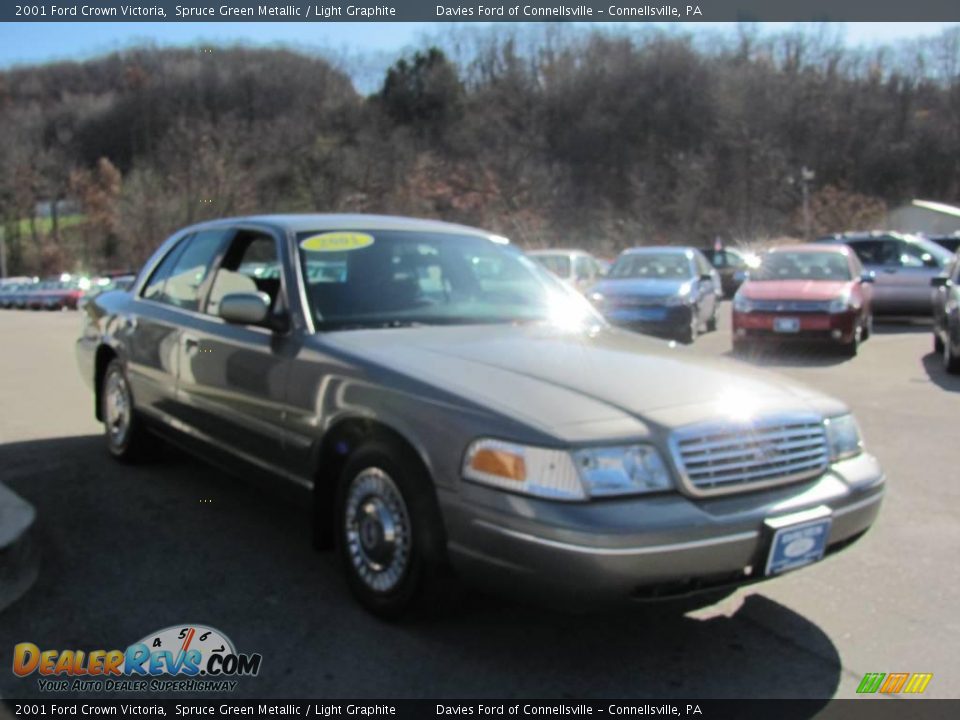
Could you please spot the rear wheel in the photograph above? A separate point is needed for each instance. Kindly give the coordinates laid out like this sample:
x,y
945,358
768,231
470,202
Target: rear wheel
x,y
389,528
937,343
127,438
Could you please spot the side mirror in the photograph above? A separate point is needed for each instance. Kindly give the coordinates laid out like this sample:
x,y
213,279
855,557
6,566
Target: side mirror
x,y
245,308
706,277
868,276
939,281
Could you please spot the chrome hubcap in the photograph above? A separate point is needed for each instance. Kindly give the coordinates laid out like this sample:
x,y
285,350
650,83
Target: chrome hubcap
x,y
117,408
377,530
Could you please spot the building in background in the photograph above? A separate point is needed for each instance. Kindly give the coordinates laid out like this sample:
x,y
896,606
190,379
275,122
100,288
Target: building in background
x,y
926,217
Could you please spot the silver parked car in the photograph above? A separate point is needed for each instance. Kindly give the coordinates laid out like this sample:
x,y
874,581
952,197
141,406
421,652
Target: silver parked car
x,y
946,317
450,403
904,266
577,268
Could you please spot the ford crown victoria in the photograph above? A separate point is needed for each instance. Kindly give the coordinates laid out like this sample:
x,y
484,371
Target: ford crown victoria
x,y
450,403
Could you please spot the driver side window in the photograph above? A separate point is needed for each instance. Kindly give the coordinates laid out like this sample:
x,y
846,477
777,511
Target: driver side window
x,y
251,264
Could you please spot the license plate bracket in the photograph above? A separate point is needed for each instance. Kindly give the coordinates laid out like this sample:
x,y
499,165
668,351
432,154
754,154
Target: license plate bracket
x,y
786,325
798,540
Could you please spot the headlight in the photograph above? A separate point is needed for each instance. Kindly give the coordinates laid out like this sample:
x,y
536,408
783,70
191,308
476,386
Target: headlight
x,y
843,435
529,470
840,304
622,470
596,298
741,304
566,475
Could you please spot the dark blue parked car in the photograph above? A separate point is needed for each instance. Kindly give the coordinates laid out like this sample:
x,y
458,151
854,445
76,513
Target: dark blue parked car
x,y
669,291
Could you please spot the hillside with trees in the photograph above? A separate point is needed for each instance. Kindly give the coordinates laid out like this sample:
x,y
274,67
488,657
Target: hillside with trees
x,y
595,139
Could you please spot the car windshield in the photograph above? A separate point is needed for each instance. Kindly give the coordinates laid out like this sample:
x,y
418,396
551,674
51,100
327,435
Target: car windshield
x,y
394,278
652,266
557,264
803,266
942,254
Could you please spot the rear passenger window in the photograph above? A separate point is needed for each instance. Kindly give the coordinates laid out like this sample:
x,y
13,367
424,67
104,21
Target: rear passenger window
x,y
154,287
181,285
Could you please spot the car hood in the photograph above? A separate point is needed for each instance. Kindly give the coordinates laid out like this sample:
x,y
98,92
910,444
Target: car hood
x,y
794,289
563,381
639,287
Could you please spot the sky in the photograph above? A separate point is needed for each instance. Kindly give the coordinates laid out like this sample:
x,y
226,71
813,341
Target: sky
x,y
29,43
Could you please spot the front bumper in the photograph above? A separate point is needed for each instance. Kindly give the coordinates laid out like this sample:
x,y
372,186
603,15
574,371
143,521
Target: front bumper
x,y
836,327
639,548
666,320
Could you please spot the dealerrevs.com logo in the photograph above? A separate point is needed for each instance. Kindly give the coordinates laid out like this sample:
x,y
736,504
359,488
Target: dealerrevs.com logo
x,y
180,658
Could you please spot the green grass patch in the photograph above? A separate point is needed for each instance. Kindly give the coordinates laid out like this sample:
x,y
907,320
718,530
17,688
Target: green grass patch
x,y
45,224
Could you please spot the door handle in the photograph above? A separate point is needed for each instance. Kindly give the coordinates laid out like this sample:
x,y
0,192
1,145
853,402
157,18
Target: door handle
x,y
191,345
129,322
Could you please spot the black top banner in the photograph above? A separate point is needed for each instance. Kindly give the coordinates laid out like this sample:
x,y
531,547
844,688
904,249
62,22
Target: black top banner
x,y
618,11
495,709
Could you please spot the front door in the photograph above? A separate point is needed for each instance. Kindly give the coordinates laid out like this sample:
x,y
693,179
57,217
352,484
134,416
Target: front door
x,y
232,377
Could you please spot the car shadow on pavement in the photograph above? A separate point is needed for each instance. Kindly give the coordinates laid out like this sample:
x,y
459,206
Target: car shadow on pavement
x,y
772,354
933,364
902,326
130,550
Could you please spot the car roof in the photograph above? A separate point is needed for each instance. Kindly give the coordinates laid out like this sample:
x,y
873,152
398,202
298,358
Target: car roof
x,y
542,252
808,247
345,221
677,249
856,236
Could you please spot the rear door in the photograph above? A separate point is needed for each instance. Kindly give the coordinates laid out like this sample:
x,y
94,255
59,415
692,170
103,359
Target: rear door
x,y
232,377
917,267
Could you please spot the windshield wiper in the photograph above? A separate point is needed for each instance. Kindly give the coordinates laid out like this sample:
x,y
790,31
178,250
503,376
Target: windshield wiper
x,y
357,324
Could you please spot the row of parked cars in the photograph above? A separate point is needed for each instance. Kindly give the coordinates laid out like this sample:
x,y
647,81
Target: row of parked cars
x,y
65,292
828,290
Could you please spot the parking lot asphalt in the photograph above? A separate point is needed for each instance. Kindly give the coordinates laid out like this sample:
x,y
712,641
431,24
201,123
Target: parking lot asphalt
x,y
129,550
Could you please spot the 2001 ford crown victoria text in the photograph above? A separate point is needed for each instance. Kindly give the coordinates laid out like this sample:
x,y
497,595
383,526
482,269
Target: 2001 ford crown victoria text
x,y
450,403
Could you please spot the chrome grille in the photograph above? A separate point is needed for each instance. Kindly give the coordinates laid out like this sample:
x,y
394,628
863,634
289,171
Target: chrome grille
x,y
736,457
637,301
791,306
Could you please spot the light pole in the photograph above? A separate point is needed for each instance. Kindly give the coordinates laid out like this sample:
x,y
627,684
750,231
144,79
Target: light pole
x,y
3,253
806,177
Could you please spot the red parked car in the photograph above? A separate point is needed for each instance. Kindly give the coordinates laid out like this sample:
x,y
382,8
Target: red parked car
x,y
55,295
806,292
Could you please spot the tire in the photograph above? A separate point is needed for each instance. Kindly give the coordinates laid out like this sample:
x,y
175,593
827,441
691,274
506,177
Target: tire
x,y
389,531
867,327
852,348
712,322
127,438
951,361
688,334
740,347
937,343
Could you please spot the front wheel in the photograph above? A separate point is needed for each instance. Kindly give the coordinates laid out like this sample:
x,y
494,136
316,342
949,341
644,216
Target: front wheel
x,y
951,361
689,333
388,528
127,439
712,322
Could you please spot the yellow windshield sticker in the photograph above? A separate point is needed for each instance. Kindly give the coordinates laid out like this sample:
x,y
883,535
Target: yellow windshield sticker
x,y
336,241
